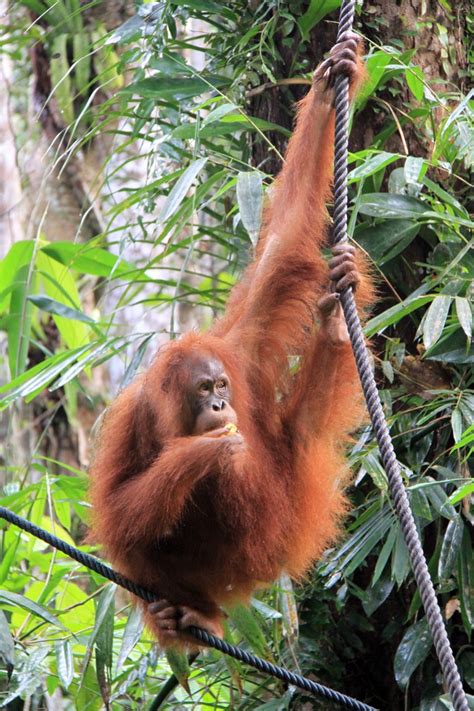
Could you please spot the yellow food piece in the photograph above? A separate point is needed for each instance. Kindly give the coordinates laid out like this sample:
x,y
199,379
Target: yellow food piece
x,y
231,428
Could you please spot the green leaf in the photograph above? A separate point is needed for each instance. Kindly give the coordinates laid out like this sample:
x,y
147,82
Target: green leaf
x,y
7,646
131,635
414,170
287,603
100,633
372,165
439,500
376,65
179,664
16,600
435,319
384,555
316,11
457,424
412,651
55,307
376,595
246,622
395,314
64,662
61,287
181,187
19,322
385,240
233,123
450,547
388,205
400,559
218,113
414,78
104,642
88,260
40,375
250,201
461,493
18,256
464,314
466,582
177,88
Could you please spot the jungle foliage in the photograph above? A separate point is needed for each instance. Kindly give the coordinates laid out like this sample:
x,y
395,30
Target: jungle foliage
x,y
361,628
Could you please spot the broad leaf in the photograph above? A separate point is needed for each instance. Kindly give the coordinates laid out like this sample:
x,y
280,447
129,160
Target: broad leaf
x,y
412,651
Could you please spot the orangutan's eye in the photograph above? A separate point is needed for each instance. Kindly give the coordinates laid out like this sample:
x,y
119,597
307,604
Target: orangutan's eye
x,y
205,387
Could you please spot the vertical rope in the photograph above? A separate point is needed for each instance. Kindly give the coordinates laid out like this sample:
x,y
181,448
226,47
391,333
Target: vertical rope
x,y
374,405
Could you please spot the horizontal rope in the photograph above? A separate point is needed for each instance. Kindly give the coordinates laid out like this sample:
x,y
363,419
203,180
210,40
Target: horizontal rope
x,y
93,563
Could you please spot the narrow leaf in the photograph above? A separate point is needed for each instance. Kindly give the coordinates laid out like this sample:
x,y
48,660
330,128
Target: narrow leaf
x,y
7,646
464,314
435,319
372,165
11,598
64,662
131,635
55,307
450,548
250,200
179,664
183,184
246,622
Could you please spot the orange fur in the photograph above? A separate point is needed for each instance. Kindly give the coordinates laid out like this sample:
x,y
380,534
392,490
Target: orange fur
x,y
187,516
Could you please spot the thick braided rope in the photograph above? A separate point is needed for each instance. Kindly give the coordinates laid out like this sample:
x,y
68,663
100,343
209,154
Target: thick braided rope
x,y
93,563
374,405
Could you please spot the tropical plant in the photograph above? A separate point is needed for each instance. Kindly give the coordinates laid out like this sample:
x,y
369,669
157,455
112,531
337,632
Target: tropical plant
x,y
201,126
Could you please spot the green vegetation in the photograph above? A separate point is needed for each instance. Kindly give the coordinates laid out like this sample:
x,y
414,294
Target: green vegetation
x,y
200,133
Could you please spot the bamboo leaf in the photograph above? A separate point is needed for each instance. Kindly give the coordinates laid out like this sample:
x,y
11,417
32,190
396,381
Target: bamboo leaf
x,y
179,664
372,165
183,184
435,319
218,113
465,574
246,622
450,547
464,314
55,307
16,600
7,647
64,662
250,200
131,635
19,321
